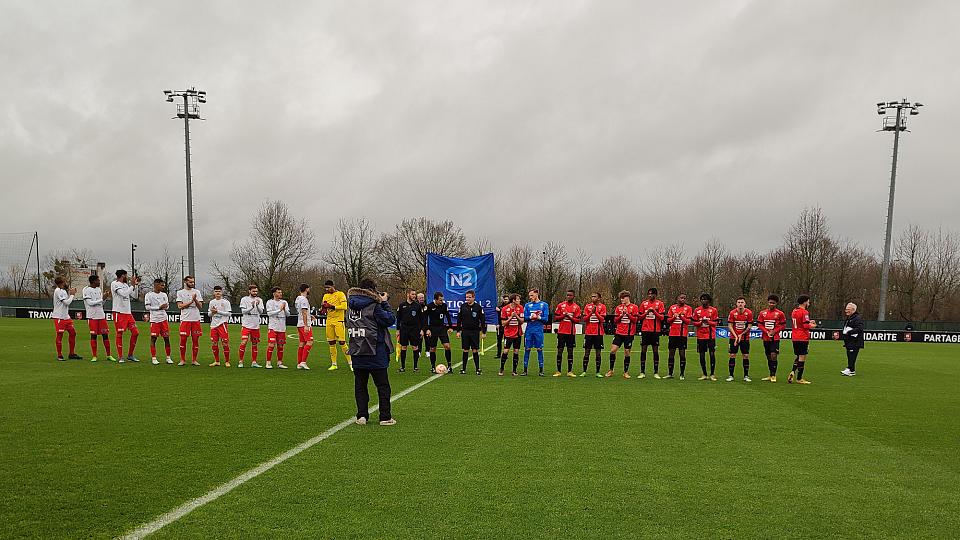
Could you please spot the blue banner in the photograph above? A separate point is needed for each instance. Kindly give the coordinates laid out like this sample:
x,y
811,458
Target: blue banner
x,y
454,276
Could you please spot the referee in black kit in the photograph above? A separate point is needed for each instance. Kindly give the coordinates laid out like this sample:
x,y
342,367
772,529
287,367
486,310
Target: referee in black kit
x,y
471,324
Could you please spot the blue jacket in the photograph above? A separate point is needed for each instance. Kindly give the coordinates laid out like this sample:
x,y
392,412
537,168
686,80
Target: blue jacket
x,y
358,299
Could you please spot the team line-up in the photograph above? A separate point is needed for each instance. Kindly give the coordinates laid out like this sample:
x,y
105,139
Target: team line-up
x,y
418,321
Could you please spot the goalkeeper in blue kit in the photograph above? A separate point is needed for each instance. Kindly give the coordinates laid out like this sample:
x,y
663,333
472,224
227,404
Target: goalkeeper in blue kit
x,y
535,313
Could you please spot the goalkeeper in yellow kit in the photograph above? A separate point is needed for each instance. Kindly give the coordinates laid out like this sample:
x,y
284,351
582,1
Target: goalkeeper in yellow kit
x,y
334,305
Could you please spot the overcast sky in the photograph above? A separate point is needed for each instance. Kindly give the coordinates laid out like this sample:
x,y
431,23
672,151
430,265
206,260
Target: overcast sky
x,y
610,126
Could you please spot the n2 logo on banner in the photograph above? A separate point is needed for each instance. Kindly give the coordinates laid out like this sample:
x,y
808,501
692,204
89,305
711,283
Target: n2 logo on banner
x,y
454,276
461,279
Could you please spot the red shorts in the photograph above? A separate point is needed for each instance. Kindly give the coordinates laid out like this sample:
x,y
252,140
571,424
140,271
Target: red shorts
x,y
306,333
190,328
219,333
62,325
161,329
123,321
274,336
252,333
98,326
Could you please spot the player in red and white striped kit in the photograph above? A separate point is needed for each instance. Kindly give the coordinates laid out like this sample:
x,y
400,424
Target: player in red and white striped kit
x,y
567,315
593,315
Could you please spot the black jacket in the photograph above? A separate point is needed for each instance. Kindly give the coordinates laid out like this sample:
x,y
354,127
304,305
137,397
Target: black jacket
x,y
410,315
471,318
853,338
436,316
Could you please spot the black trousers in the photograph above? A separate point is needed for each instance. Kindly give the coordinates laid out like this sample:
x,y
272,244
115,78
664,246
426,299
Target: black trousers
x,y
382,381
852,359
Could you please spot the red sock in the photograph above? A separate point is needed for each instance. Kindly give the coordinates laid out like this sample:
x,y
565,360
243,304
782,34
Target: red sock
x,y
216,354
279,354
153,349
59,342
269,354
183,348
120,345
254,347
226,352
93,345
133,341
196,347
72,339
243,349
106,343
166,346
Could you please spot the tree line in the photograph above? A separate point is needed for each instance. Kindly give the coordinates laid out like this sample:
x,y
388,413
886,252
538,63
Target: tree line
x,y
283,250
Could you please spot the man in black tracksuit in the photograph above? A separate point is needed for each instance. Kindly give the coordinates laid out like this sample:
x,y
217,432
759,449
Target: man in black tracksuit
x,y
437,325
409,328
852,338
471,324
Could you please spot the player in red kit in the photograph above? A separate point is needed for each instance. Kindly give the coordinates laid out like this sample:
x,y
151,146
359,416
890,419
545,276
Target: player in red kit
x,y
567,315
738,323
593,315
511,316
626,314
801,338
651,311
771,322
678,317
705,319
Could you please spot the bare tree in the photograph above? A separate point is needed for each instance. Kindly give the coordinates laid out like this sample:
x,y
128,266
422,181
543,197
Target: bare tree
x,y
404,252
553,271
911,257
69,264
279,247
618,274
353,251
583,270
518,270
707,267
942,278
164,267
809,250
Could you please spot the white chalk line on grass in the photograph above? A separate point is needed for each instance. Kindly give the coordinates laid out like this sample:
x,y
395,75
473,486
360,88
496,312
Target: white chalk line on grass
x,y
221,490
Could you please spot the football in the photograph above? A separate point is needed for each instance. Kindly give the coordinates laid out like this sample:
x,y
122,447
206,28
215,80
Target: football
x,y
441,369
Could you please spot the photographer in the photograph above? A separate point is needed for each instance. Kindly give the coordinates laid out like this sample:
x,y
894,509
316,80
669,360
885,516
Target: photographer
x,y
368,326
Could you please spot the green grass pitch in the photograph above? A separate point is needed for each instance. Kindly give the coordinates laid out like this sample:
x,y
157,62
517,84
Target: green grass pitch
x,y
93,450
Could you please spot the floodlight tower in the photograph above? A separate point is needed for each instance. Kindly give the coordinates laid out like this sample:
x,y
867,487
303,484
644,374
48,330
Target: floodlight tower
x,y
188,110
895,121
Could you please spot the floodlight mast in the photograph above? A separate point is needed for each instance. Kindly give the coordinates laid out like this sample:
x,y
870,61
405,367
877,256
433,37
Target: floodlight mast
x,y
188,110
896,124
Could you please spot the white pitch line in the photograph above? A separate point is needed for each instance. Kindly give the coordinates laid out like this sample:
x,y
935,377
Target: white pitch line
x,y
221,490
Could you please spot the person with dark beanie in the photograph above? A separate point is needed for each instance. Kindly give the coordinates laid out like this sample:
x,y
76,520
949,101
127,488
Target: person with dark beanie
x,y
368,326
852,338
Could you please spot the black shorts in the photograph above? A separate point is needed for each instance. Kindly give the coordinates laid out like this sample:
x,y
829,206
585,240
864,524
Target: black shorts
x,y
772,346
742,347
593,342
566,340
437,334
515,343
469,340
650,338
623,341
409,336
704,345
677,342
801,348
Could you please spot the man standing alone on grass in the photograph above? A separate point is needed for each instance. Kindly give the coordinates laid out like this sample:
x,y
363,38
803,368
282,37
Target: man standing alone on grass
x,y
852,338
368,326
